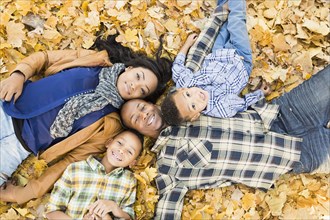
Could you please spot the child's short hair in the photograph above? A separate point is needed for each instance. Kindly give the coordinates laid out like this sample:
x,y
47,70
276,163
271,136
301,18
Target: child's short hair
x,y
140,136
170,111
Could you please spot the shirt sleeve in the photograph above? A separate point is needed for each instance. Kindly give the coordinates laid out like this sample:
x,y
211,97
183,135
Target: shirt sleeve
x,y
170,203
180,74
253,97
129,200
61,194
230,104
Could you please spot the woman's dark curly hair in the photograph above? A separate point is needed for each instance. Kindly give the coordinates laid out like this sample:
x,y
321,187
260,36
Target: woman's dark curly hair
x,y
161,67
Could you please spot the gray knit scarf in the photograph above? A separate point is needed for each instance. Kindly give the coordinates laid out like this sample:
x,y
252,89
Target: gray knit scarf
x,y
105,93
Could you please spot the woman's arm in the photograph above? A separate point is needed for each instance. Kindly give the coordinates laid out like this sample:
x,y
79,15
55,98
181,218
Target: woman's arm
x,y
47,63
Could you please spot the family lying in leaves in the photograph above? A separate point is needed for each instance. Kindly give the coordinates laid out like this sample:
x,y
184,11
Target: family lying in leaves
x,y
206,134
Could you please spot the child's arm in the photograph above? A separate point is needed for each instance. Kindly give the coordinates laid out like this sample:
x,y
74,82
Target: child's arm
x,y
189,42
103,207
204,43
57,215
60,196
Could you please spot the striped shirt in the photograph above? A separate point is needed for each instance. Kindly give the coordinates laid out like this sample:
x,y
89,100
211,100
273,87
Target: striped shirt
x,y
85,182
213,152
223,76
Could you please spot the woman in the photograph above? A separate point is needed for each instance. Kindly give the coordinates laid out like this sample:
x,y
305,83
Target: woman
x,y
73,112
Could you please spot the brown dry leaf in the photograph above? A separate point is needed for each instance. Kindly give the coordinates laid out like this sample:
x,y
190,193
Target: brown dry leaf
x,y
276,203
15,33
10,214
248,201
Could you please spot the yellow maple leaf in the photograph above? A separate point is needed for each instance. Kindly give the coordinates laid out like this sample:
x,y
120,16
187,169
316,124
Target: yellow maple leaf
x,y
172,26
248,201
124,16
23,7
15,33
276,203
11,214
131,35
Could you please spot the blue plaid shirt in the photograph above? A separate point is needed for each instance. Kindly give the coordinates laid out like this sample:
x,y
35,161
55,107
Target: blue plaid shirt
x,y
224,76
214,152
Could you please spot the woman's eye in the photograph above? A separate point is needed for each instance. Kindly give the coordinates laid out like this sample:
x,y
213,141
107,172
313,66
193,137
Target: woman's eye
x,y
193,106
143,92
119,142
138,76
187,93
130,152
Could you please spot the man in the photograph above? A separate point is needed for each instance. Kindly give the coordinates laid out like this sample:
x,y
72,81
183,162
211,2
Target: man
x,y
254,147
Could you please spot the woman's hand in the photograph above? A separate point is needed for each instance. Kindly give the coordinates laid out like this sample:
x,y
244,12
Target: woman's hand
x,y
12,87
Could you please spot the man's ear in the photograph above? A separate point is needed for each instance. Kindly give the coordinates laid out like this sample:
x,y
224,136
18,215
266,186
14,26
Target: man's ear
x,y
108,142
195,117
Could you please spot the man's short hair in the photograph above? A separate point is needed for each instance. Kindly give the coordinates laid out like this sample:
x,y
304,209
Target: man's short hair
x,y
170,111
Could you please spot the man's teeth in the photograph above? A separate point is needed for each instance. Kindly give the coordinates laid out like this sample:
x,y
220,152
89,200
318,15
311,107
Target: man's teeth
x,y
151,119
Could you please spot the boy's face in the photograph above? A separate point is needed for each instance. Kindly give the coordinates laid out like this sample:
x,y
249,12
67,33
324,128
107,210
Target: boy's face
x,y
136,82
190,102
123,150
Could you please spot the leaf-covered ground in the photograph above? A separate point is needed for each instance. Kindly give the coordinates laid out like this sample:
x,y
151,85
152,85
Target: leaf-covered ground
x,y
290,43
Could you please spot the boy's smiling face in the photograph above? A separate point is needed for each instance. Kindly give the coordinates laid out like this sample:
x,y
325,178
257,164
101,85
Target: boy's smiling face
x,y
123,150
190,102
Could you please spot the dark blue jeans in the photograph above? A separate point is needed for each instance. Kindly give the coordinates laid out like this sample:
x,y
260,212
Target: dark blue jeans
x,y
305,112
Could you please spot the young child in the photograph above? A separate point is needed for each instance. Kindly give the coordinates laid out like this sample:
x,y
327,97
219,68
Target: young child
x,y
214,89
93,188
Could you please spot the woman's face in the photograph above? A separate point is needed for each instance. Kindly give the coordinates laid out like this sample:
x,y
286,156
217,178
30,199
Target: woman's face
x,y
136,82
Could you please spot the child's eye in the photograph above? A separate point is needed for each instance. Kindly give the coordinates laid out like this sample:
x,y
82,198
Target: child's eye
x,y
143,92
187,93
119,142
130,152
193,106
142,108
138,76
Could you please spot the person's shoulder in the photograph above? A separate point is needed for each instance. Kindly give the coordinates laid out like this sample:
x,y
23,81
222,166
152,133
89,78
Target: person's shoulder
x,y
129,175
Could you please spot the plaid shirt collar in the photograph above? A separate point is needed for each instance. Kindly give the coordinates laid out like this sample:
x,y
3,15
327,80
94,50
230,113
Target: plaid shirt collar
x,y
267,112
97,166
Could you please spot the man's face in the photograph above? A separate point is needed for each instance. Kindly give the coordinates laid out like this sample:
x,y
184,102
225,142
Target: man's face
x,y
190,102
142,116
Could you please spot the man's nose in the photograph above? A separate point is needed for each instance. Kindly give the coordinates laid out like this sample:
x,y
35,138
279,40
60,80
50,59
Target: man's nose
x,y
144,115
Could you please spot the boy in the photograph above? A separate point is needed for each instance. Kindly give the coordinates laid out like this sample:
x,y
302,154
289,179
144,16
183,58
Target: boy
x,y
214,89
94,188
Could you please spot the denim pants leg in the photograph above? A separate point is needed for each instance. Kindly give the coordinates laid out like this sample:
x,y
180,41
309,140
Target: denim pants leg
x,y
233,34
304,112
12,153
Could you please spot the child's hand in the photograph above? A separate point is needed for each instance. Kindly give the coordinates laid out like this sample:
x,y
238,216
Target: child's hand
x,y
103,207
265,88
191,39
189,42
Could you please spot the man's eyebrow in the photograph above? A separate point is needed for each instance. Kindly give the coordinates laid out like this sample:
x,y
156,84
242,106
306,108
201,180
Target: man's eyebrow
x,y
137,107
